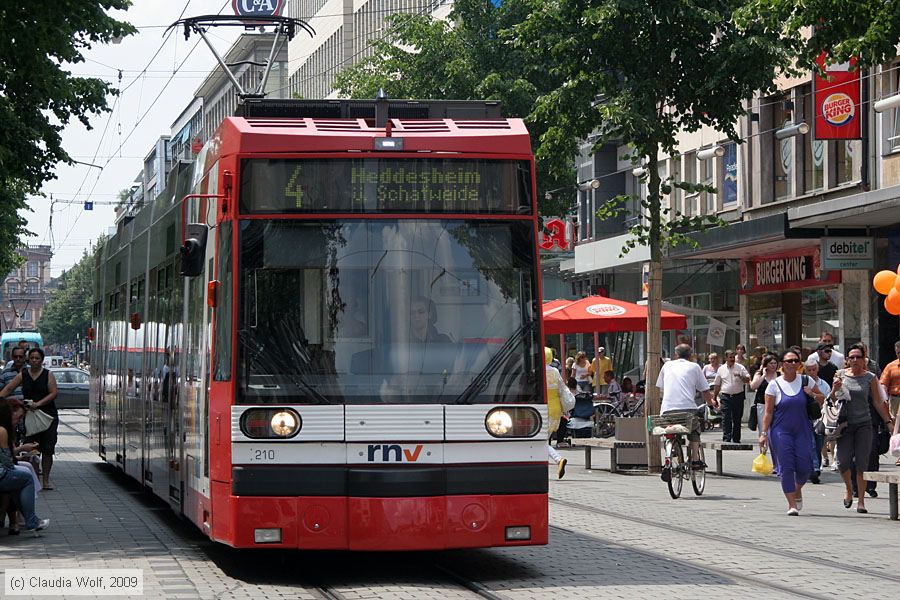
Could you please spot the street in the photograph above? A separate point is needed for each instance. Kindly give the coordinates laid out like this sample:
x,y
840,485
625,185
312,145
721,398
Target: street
x,y
612,536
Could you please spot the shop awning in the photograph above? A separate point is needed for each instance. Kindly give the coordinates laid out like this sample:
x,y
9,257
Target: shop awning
x,y
601,314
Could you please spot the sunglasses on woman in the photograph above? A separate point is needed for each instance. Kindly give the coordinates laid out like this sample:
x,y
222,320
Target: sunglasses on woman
x,y
791,360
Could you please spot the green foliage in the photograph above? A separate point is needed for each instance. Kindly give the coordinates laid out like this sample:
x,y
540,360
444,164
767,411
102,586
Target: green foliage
x,y
39,97
68,312
422,58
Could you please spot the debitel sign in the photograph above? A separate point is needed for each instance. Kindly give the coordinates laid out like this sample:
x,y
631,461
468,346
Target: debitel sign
x,y
848,253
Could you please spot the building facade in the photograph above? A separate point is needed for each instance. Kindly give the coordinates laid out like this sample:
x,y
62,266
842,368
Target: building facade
x,y
24,292
788,203
345,30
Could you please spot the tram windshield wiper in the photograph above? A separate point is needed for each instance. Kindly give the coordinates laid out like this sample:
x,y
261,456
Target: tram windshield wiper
x,y
480,381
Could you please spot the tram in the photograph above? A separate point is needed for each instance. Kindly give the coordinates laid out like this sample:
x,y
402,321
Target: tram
x,y
325,333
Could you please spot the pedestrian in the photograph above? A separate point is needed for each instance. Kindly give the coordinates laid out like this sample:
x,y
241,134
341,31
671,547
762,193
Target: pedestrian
x,y
15,481
556,391
767,373
812,371
859,389
582,372
729,394
879,429
836,357
570,364
786,430
740,354
39,386
827,368
599,366
890,379
711,368
680,380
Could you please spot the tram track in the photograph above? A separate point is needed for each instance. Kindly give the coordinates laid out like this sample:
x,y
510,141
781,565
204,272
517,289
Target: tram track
x,y
670,527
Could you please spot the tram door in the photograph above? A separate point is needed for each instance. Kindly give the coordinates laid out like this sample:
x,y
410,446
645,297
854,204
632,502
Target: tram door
x,y
133,418
174,434
162,376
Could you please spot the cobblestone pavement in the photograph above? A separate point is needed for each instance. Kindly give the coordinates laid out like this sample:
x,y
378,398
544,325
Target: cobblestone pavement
x,y
612,536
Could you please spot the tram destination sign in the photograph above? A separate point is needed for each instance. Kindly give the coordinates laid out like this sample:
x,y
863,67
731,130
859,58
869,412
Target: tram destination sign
x,y
382,185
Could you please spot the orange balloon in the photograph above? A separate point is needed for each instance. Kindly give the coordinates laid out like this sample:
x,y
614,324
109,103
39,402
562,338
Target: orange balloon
x,y
884,281
893,297
894,310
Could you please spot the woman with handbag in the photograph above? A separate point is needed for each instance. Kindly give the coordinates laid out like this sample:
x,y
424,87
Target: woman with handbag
x,y
39,386
786,423
765,374
18,483
559,401
857,389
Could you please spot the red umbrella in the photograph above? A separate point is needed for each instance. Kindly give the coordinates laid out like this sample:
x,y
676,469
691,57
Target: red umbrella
x,y
550,306
600,314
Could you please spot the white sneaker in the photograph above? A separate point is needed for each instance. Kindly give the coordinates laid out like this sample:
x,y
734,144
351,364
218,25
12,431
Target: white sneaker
x,y
42,524
834,466
799,504
793,512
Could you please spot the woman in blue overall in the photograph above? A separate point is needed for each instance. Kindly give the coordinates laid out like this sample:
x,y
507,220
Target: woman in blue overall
x,y
786,424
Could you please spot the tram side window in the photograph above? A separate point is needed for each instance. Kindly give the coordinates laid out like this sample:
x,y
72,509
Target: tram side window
x,y
222,361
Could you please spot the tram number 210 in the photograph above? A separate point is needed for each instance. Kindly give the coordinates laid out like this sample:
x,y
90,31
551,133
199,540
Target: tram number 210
x,y
262,455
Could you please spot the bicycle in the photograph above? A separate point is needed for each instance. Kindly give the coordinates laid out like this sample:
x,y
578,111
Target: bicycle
x,y
605,415
675,429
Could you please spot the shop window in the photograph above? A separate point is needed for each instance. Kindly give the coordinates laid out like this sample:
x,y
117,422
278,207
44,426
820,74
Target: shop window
x,y
783,155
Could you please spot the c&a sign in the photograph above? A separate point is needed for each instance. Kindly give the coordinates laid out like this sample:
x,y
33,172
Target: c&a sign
x,y
788,271
257,8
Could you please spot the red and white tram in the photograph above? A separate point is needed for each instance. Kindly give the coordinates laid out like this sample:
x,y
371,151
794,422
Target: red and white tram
x,y
326,334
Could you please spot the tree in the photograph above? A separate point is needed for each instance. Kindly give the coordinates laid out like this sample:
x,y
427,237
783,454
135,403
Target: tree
x,y
68,312
40,97
665,67
467,58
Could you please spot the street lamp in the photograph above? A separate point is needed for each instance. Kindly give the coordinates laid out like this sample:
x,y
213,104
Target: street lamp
x,y
792,129
586,186
887,103
714,152
639,171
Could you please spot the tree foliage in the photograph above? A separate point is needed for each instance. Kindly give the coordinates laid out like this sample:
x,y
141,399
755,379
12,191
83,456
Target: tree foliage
x,y
68,312
39,96
468,58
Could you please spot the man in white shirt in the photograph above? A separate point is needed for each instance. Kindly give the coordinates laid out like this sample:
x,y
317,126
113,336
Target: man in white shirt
x,y
729,393
837,359
680,380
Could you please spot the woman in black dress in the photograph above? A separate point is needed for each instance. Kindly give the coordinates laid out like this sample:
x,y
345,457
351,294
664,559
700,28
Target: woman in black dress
x,y
39,386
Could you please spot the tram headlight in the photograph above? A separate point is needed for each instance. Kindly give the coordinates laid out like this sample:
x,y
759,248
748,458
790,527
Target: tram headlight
x,y
284,423
271,423
513,422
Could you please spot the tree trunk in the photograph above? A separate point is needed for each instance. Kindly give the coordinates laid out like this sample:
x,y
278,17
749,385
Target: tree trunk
x,y
654,308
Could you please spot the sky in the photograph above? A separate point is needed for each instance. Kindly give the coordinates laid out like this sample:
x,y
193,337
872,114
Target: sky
x,y
119,140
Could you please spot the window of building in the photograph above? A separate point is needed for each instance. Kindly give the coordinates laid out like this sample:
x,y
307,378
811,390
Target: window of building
x,y
689,175
32,270
27,314
783,155
729,174
894,134
12,287
813,149
31,288
707,200
847,161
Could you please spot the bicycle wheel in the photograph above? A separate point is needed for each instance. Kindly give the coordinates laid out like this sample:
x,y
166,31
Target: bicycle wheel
x,y
677,470
698,477
605,421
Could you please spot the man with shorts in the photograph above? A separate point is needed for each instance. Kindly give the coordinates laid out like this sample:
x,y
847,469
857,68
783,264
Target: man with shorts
x,y
679,381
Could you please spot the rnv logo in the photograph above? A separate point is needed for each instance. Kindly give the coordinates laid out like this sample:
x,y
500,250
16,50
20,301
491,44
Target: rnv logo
x,y
393,452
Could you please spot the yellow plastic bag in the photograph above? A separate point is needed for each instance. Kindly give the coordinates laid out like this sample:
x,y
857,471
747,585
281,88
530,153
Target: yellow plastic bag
x,y
762,464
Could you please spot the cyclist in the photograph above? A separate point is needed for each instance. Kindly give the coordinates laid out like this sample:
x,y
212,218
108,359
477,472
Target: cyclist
x,y
679,381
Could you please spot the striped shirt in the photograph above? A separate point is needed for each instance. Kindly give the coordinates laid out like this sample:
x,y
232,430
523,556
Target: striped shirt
x,y
890,378
8,375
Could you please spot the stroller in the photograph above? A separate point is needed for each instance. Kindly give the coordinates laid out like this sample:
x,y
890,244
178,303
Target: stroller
x,y
584,410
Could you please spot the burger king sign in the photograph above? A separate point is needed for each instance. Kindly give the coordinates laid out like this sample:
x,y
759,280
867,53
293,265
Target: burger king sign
x,y
837,100
838,109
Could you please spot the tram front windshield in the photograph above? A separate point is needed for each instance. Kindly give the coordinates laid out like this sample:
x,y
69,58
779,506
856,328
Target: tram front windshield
x,y
388,311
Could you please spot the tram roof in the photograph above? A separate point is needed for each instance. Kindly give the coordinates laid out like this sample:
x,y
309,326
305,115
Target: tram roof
x,y
279,126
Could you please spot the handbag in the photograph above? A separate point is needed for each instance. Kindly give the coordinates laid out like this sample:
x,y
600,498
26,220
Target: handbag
x,y
833,424
752,418
37,421
894,445
566,399
813,410
882,441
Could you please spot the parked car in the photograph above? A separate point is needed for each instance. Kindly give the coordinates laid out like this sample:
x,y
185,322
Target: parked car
x,y
73,386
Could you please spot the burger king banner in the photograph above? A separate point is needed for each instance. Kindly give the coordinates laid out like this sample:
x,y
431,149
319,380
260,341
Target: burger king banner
x,y
837,106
